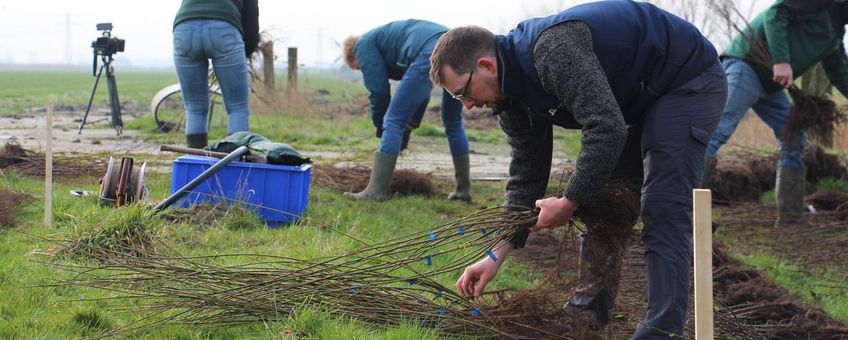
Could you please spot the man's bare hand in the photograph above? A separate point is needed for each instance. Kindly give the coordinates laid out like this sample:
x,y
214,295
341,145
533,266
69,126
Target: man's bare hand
x,y
554,212
783,74
474,279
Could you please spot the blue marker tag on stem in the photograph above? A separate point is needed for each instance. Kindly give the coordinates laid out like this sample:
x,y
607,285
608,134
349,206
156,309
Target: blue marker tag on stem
x,y
439,293
485,232
441,311
432,236
429,260
491,255
475,311
410,281
461,230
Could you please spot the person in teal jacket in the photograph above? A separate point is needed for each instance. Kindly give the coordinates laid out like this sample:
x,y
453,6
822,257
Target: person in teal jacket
x,y
225,32
789,37
400,50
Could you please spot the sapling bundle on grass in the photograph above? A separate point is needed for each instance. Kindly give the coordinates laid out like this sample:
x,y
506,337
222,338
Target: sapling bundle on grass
x,y
382,284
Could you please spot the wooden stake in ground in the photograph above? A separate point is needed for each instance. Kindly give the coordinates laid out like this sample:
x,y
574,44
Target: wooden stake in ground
x,y
48,168
703,241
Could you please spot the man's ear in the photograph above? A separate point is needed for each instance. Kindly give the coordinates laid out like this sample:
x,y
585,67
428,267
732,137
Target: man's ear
x,y
488,64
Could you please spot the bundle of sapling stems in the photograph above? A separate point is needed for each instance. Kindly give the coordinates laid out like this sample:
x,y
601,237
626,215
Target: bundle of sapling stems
x,y
383,284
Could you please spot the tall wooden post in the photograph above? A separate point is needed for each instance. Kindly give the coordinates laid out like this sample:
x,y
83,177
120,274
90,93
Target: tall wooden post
x,y
703,244
48,168
267,49
292,85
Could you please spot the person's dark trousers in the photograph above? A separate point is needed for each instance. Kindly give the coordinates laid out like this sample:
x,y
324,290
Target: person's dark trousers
x,y
675,133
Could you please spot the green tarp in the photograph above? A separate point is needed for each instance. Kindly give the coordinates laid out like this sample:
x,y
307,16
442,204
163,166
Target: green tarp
x,y
275,153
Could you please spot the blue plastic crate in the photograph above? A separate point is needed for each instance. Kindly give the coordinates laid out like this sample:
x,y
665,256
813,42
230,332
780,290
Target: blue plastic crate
x,y
279,193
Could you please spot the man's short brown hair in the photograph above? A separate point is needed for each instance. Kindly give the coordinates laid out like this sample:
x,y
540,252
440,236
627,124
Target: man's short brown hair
x,y
460,48
349,51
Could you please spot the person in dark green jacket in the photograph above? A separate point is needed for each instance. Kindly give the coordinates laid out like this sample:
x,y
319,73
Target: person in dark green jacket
x,y
225,32
788,38
400,50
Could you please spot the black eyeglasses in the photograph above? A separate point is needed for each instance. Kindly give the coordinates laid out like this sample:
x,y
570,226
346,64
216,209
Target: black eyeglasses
x,y
464,94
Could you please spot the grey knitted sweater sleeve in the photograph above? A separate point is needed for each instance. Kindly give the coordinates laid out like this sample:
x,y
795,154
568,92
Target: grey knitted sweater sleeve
x,y
530,144
568,68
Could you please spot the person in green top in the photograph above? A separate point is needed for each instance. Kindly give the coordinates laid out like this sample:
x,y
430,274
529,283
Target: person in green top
x,y
787,38
225,32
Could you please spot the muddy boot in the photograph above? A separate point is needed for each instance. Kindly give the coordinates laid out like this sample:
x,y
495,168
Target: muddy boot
x,y
599,271
709,169
462,171
197,141
381,176
789,193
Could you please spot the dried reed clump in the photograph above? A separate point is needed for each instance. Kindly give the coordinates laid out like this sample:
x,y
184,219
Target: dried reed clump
x,y
127,232
355,179
745,178
71,169
9,203
381,284
821,165
827,200
208,215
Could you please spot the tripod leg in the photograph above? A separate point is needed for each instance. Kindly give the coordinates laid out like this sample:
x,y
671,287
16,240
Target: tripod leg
x,y
90,99
115,104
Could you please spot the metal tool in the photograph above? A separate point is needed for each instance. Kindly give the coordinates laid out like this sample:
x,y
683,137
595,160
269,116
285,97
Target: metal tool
x,y
200,152
200,178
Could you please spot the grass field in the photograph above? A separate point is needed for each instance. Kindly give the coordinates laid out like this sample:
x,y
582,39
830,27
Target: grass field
x,y
339,121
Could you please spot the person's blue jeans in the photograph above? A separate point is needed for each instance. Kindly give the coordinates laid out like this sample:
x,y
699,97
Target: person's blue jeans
x,y
412,92
195,43
745,91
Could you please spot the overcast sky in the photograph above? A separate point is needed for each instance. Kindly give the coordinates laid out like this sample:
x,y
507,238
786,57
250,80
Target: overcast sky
x,y
61,31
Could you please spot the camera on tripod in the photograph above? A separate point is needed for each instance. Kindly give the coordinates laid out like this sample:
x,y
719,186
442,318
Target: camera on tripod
x,y
107,44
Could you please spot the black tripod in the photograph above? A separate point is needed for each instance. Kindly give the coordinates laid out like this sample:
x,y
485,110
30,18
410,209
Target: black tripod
x,y
114,103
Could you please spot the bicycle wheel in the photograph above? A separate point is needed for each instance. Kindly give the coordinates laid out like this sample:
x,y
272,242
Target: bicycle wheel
x,y
169,111
217,117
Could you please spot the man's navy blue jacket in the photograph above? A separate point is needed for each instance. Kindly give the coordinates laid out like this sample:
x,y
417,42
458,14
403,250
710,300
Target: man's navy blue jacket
x,y
644,51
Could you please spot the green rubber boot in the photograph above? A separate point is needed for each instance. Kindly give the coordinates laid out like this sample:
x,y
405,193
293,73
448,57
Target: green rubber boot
x,y
381,176
197,141
462,171
789,193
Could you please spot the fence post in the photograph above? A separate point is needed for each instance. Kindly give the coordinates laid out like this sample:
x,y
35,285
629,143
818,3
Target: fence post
x,y
292,85
267,49
702,242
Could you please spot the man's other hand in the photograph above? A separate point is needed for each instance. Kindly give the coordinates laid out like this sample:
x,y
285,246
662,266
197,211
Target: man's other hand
x,y
554,212
783,74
